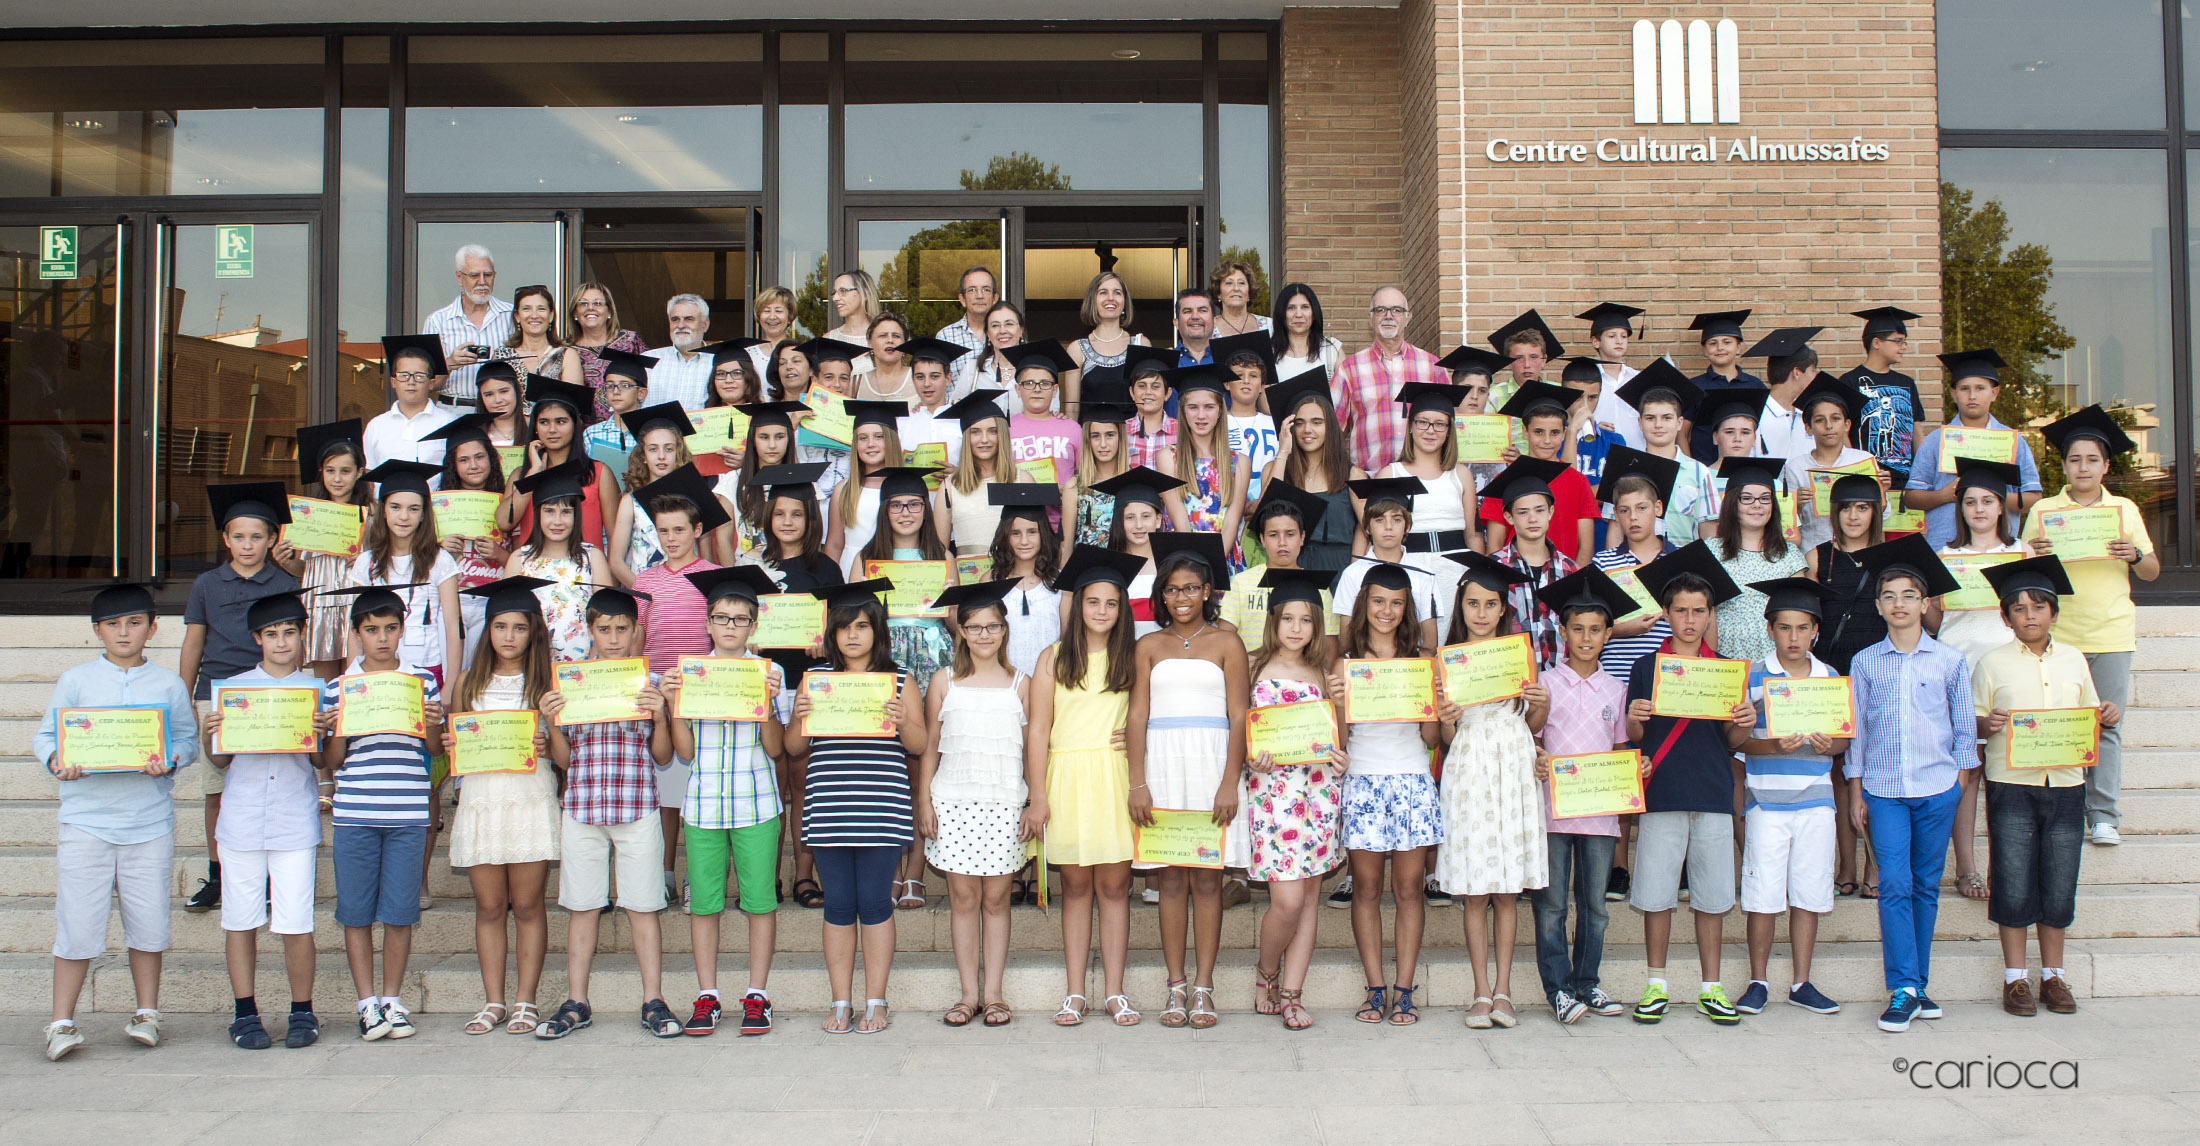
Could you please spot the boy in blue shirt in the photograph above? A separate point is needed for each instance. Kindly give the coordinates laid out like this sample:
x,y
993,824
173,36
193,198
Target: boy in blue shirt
x,y
1974,382
118,829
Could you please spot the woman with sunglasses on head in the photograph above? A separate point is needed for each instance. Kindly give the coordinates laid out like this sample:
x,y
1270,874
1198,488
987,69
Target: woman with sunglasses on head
x,y
594,321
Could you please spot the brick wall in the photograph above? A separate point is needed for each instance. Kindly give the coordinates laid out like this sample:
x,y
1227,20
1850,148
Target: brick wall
x,y
1343,158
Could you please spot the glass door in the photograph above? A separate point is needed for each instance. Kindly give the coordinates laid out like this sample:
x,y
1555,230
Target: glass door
x,y
918,257
1064,248
643,256
526,247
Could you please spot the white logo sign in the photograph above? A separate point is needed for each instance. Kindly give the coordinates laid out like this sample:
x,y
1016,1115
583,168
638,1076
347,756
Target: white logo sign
x,y
1673,88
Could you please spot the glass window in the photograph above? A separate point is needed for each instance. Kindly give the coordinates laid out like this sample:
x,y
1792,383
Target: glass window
x,y
362,262
2043,64
804,155
2059,259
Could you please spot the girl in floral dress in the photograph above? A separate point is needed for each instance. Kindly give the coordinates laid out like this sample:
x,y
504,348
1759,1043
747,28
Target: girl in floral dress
x,y
1101,459
470,462
331,463
575,569
1215,479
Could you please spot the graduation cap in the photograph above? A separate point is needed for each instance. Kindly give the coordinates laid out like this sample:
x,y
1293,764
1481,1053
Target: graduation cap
x,y
495,369
1858,487
1910,554
1276,492
1827,388
979,407
464,428
1608,316
779,414
1523,477
1285,397
795,480
1623,461
976,595
903,481
397,476
367,600
1487,571
1695,557
1386,575
1089,411
1028,499
565,481
1139,483
1881,320
1473,360
1259,344
1581,369
1740,472
1139,360
624,363
649,418
1045,353
2001,477
1981,363
1203,547
266,500
2044,573
829,349
612,601
745,582
579,399
426,346
1589,586
853,593
870,413
274,609
1533,396
510,595
2092,422
1090,563
688,484
731,350
1528,320
316,442
933,350
1781,345
121,599
1731,402
1400,489
1714,324
1798,593
1422,397
1287,585
1661,376
1187,379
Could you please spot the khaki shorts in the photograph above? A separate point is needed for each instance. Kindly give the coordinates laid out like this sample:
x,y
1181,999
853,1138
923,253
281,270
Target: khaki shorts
x,y
92,876
591,854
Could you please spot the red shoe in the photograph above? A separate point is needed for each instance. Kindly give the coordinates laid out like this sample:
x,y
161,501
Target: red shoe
x,y
705,1018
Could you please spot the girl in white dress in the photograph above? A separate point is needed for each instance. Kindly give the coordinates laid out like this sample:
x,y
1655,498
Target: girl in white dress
x,y
1027,553
967,519
853,514
1440,515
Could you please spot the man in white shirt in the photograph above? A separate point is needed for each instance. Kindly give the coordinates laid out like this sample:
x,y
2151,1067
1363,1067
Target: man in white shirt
x,y
1782,430
475,323
413,362
977,294
682,372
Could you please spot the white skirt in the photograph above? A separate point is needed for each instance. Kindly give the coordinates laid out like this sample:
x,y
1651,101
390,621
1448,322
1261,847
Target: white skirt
x,y
506,817
976,838
1184,768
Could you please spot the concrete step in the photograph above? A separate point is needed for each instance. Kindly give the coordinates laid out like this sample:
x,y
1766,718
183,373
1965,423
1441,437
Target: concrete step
x,y
2162,728
2165,689
2172,654
2168,621
2160,768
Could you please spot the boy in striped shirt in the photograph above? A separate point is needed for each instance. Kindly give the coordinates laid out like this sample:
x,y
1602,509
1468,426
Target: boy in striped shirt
x,y
1788,825
381,815
684,510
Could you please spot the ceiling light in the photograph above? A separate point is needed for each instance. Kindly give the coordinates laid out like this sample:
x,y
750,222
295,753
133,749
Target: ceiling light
x,y
2031,65
83,124
1125,53
630,119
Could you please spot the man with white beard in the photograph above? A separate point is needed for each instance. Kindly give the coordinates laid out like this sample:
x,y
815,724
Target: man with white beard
x,y
682,372
475,323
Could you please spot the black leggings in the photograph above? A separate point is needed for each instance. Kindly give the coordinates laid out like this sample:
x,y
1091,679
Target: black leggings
x,y
858,882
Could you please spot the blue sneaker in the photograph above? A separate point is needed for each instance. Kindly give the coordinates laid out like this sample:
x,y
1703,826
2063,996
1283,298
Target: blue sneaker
x,y
1926,1007
1812,999
1753,1000
1900,1010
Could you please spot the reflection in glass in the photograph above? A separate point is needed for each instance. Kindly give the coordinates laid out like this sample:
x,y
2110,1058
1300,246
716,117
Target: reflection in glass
x,y
1245,185
1064,247
362,259
802,215
2040,64
919,263
647,256
524,252
989,146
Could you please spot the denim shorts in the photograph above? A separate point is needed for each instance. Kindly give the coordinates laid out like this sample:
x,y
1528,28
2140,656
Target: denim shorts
x,y
2035,838
378,874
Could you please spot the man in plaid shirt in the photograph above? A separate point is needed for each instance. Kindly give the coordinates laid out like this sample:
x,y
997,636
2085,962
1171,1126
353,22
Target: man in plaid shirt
x,y
1367,383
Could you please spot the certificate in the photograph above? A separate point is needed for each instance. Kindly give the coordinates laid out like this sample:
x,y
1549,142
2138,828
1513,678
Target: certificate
x,y
969,569
1047,471
1803,705
916,585
599,692
2052,738
122,739
1969,570
1790,528
1481,437
1390,691
264,718
1978,445
1178,838
2082,534
830,425
849,704
1821,483
788,621
1899,518
1645,604
1480,671
375,702
1698,687
717,428
501,740
1301,733
723,688
1596,784
465,512
510,457
932,454
330,527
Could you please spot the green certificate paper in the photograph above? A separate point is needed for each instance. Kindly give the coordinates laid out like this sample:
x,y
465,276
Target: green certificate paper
x,y
849,704
1389,691
968,569
1799,706
1481,437
788,621
374,702
2082,534
1982,445
123,739
501,740
1597,784
831,426
722,688
916,585
465,512
1178,838
1969,570
2053,738
1900,518
1480,671
1645,604
1301,733
1821,483
1698,687
329,527
260,718
599,692
717,428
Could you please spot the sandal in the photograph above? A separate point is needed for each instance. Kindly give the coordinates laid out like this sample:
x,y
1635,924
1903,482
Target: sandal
x,y
1503,1014
571,1016
524,1020
1871,889
1264,992
1069,1015
910,900
1203,1007
1124,1014
997,1014
490,1017
1020,892
1845,889
1478,1018
1295,1016
1973,885
1403,1013
960,1014
1377,1006
871,1010
808,894
1174,1015
842,1011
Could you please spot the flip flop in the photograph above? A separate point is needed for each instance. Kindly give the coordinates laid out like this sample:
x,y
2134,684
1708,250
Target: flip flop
x,y
1845,890
1871,891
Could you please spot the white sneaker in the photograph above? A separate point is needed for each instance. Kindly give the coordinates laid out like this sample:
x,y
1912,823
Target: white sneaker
x,y
2106,835
426,901
1149,895
144,1028
1341,896
61,1038
400,1021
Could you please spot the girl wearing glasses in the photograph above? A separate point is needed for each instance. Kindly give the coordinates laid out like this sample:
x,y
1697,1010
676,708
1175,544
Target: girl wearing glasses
x,y
1752,545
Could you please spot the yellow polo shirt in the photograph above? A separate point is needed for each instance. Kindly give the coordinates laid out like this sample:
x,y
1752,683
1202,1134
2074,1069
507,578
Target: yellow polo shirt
x,y
2099,617
2010,677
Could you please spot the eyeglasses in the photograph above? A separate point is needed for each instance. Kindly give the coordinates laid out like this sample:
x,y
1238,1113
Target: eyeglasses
x,y
1755,499
844,290
718,622
1184,591
1897,339
981,288
989,630
620,387
905,505
1035,383
591,304
1390,311
1430,424
410,376
1901,599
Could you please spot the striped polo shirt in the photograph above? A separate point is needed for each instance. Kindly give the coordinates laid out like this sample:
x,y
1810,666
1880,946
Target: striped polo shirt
x,y
1783,781
383,781
676,617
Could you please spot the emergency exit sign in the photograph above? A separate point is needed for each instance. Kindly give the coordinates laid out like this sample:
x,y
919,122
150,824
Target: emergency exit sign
x,y
233,251
57,252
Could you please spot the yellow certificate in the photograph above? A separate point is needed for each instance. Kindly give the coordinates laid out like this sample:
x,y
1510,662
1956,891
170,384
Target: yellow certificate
x,y
1899,518
1596,784
1178,838
599,692
122,739
2082,534
932,454
1821,483
1645,604
788,621
916,585
499,740
1047,471
465,512
264,718
1978,445
1698,687
2053,738
717,428
1790,528
330,527
723,688
831,425
1803,705
969,569
1481,437
1969,570
1480,671
849,704
376,702
1301,733
511,458
1390,691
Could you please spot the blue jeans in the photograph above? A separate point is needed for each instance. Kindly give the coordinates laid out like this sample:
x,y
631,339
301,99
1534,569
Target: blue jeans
x,y
1910,841
1579,863
858,883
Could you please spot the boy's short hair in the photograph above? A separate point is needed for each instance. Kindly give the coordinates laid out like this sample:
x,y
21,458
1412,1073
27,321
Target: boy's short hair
x,y
594,615
2054,603
1772,614
1517,498
411,352
1898,574
1818,398
1574,609
674,503
1661,397
1542,412
1681,583
395,612
1378,506
1634,483
1530,338
1275,507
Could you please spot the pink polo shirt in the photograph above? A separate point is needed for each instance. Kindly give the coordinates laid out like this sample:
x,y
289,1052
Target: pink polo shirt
x,y
1586,716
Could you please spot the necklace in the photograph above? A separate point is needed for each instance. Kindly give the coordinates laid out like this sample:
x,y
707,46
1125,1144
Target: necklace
x,y
1204,626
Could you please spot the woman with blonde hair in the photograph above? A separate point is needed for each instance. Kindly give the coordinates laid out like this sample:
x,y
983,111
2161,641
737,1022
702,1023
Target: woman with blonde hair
x,y
774,310
593,320
855,307
1100,354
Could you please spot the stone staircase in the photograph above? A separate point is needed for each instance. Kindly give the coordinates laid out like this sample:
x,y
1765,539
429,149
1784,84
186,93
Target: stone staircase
x,y
2137,931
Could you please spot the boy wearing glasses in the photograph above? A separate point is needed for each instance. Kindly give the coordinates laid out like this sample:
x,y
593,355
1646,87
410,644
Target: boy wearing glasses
x,y
1045,444
414,365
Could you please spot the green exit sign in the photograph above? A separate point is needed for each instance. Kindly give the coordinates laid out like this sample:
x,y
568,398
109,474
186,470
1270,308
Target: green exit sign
x,y
233,251
57,252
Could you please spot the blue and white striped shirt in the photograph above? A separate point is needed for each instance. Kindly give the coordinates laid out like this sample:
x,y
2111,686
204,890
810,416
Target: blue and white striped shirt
x,y
383,782
1784,781
1915,729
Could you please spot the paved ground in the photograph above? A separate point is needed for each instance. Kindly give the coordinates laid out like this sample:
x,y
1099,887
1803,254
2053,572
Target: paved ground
x,y
1782,1076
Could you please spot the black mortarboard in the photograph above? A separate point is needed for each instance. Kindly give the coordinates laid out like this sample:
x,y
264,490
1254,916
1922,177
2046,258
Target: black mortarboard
x,y
1622,461
1285,397
1532,395
427,346
1029,499
566,481
1487,571
1828,388
977,407
398,476
1661,374
367,600
1781,345
579,399
1884,320
1984,363
1606,316
829,349
688,483
747,582
1473,360
1712,324
1139,360
624,363
797,480
1740,472
1400,489
118,600
1421,397
1731,402
903,481
1798,593
865,412
1581,369
1258,343
274,609
1913,554
854,592
1046,352
265,500
1695,557
612,601
1203,546
315,442
933,350
1089,563
1385,575
975,595
1528,320
771,414
495,369
1090,411
1286,585
1587,586
464,428
1858,487
1275,490
2001,477
662,414
732,350
510,595
1138,483
1186,379
2044,573
1523,477
2091,422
